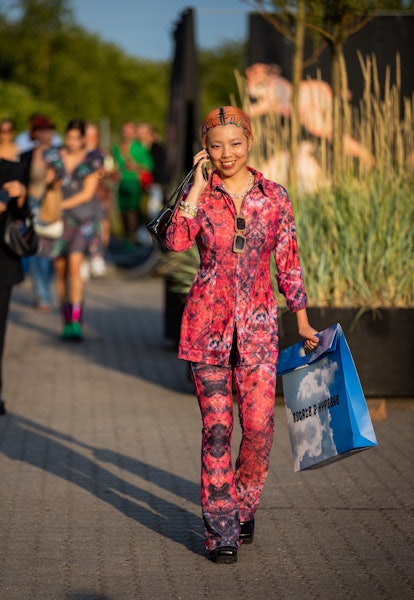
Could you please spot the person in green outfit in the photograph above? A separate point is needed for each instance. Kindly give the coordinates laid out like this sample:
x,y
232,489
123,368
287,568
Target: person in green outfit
x,y
132,160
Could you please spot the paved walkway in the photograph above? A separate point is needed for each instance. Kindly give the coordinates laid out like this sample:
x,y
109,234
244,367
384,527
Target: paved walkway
x,y
99,477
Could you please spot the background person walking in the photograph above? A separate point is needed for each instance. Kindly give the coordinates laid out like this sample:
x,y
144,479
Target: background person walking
x,y
131,158
12,201
77,172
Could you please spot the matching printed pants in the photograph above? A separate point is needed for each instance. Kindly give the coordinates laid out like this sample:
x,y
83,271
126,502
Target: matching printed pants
x,y
229,495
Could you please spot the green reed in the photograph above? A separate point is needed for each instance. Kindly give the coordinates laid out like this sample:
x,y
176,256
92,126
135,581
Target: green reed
x,y
356,238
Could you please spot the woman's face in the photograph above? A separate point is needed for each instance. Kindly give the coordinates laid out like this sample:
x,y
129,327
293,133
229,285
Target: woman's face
x,y
6,131
228,148
74,140
43,136
92,136
128,131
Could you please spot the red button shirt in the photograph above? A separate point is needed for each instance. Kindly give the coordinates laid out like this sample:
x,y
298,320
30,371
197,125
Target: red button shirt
x,y
234,291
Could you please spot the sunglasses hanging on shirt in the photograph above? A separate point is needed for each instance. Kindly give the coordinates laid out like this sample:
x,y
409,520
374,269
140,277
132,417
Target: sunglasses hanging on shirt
x,y
239,243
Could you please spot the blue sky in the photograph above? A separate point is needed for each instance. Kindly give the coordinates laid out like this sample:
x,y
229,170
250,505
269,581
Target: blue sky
x,y
144,28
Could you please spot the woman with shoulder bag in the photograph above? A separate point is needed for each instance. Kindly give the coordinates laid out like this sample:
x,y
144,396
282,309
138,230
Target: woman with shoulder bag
x,y
229,331
12,201
77,172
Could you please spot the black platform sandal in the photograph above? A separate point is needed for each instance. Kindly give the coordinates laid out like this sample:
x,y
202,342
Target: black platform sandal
x,y
246,531
224,554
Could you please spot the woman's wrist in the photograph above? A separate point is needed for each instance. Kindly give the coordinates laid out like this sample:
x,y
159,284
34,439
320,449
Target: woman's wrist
x,y
302,320
189,208
195,194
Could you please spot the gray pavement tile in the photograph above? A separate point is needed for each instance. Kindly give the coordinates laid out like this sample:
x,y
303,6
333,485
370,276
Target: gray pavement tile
x,y
99,463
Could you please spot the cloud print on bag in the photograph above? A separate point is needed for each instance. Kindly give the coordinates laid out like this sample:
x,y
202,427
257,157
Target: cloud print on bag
x,y
313,436
314,387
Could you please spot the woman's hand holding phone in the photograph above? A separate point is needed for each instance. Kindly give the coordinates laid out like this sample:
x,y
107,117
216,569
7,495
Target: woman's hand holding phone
x,y
4,196
201,159
207,169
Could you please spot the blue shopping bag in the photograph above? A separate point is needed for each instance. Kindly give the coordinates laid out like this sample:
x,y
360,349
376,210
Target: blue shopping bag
x,y
327,413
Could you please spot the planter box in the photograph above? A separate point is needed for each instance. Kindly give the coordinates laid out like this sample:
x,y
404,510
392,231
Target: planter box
x,y
381,342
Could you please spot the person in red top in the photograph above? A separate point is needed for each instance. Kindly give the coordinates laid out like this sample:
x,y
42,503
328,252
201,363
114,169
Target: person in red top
x,y
229,330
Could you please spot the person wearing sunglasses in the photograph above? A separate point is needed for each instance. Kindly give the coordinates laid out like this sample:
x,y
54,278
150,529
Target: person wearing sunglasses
x,y
8,147
229,331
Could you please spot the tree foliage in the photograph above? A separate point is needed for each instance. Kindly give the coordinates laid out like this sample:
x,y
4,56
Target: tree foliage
x,y
76,72
49,63
217,74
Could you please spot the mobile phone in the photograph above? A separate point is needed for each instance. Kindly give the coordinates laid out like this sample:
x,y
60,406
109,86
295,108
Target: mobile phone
x,y
206,168
4,196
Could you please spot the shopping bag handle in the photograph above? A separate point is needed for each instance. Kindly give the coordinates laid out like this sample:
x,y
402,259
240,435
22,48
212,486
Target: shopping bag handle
x,y
295,356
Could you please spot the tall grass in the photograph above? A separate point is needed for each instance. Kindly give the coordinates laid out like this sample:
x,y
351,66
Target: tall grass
x,y
356,238
356,244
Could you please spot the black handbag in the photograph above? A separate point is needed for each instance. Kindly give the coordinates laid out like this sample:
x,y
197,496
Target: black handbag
x,y
18,237
159,225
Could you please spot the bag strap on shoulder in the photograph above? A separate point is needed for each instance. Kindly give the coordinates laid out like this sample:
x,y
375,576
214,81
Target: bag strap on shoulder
x,y
174,199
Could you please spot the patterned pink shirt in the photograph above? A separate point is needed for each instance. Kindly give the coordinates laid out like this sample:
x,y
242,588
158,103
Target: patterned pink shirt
x,y
234,291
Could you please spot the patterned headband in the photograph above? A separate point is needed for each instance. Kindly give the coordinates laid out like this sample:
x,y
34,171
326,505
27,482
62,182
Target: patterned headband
x,y
226,115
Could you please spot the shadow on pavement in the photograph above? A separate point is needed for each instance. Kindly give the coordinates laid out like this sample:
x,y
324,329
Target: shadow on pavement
x,y
55,453
87,596
118,336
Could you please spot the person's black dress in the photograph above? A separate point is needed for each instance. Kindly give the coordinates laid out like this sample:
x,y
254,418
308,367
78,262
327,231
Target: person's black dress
x,y
11,269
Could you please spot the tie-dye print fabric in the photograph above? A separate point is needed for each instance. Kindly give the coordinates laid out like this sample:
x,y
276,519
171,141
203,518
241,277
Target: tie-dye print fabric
x,y
229,496
233,291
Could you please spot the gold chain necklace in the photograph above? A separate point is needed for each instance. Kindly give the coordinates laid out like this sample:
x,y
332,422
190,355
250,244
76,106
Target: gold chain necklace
x,y
240,195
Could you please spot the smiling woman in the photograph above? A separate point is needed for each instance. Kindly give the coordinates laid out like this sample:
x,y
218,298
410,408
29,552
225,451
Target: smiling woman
x,y
229,331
